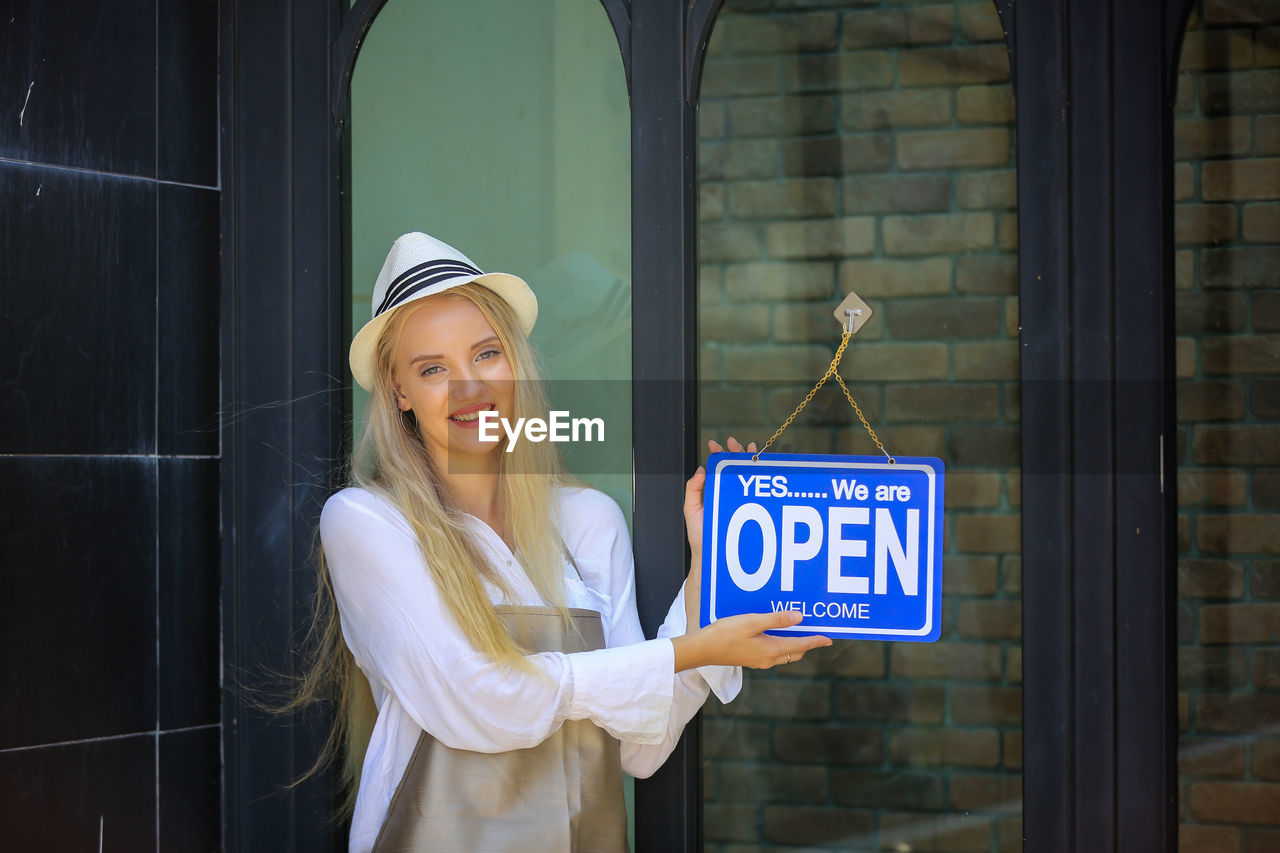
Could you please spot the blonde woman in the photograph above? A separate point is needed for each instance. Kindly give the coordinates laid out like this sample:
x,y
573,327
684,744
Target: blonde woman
x,y
479,605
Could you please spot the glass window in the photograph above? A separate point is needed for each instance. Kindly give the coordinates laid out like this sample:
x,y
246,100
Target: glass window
x,y
1227,232
504,130
870,148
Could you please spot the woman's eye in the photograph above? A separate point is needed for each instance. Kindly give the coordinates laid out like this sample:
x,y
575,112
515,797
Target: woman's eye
x,y
489,353
431,370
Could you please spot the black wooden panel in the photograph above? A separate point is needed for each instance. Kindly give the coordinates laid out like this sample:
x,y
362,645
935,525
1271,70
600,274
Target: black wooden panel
x,y
188,296
80,84
188,592
77,556
1093,396
189,787
96,795
187,92
1040,69
77,336
1145,505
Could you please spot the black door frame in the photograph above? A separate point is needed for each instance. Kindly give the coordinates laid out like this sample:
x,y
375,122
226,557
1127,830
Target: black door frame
x,y
283,326
1094,116
1094,83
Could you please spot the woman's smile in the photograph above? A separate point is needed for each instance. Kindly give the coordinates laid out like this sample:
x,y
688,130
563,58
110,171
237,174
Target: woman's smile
x,y
468,417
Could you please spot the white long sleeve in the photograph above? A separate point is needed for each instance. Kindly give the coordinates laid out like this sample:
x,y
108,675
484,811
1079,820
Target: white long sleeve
x,y
425,674
607,563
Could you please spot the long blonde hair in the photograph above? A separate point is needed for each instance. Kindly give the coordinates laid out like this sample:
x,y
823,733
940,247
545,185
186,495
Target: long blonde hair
x,y
390,459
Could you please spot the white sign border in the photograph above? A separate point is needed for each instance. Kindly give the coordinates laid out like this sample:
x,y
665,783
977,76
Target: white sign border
x,y
813,463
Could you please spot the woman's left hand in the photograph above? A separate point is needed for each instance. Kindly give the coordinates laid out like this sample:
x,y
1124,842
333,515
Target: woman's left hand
x,y
693,490
693,526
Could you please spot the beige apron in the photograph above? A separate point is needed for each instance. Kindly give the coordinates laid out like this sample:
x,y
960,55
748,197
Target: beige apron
x,y
565,794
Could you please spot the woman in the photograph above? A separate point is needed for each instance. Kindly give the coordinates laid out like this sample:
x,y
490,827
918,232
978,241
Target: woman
x,y
486,601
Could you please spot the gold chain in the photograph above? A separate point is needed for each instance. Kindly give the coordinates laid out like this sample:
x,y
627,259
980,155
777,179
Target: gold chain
x,y
831,371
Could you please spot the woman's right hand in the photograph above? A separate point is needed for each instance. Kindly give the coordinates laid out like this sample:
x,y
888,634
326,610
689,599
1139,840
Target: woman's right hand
x,y
740,641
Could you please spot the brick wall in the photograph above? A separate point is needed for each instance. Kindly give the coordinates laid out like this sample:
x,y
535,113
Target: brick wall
x,y
870,148
1227,185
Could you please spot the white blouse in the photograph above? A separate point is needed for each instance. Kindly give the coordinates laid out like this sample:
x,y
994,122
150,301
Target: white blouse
x,y
425,674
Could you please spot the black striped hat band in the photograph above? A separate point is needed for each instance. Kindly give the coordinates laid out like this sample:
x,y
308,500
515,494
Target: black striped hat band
x,y
422,276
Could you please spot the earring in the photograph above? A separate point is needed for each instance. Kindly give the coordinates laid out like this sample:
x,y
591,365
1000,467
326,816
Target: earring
x,y
409,423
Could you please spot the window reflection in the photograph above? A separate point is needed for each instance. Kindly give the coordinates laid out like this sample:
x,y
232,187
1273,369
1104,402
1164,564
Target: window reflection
x,y
1227,233
870,148
497,160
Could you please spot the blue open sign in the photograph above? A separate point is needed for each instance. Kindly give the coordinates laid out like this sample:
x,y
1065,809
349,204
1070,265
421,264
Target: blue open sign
x,y
852,542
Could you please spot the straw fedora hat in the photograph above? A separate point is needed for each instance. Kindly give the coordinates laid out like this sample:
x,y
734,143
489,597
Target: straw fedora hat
x,y
418,266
